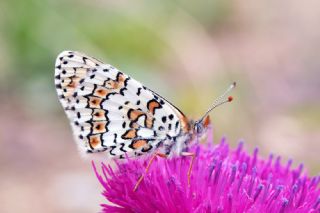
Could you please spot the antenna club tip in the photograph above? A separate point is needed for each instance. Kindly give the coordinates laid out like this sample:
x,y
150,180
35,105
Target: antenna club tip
x,y
230,98
234,84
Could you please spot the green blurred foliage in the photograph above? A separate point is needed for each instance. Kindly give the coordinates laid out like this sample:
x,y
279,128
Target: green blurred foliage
x,y
35,31
129,37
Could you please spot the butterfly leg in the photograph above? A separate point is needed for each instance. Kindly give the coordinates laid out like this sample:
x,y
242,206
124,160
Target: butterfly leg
x,y
192,155
147,168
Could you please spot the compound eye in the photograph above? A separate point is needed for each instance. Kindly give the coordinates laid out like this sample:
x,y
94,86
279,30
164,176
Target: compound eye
x,y
195,128
198,128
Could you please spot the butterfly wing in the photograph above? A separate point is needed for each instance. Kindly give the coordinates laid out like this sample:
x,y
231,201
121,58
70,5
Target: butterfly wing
x,y
109,111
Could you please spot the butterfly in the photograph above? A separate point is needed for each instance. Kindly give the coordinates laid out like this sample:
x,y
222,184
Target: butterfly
x,y
113,113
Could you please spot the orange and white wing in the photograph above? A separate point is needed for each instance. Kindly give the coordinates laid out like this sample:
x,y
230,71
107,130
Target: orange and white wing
x,y
109,111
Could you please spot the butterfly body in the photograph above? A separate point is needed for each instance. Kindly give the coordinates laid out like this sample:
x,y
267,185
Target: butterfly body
x,y
113,113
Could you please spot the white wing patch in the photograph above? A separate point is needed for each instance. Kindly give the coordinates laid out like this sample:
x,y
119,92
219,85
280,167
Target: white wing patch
x,y
111,112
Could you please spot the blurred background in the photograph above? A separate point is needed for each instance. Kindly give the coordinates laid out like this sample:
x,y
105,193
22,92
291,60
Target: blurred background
x,y
188,51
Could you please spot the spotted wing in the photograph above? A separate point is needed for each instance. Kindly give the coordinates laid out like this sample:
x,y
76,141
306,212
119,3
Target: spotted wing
x,y
109,111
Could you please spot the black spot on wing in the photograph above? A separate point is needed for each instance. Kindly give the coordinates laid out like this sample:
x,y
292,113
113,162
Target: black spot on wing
x,y
160,128
121,147
122,90
139,91
115,138
84,59
177,124
58,86
112,150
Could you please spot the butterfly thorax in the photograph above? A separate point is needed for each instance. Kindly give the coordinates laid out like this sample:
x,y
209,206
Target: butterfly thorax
x,y
193,132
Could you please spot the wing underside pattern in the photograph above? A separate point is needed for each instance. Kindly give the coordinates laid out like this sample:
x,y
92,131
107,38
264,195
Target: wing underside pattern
x,y
109,111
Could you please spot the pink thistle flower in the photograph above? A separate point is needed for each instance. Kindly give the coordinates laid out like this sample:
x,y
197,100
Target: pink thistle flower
x,y
222,180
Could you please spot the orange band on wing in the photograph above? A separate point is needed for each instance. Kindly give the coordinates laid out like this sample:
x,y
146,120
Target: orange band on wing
x,y
149,122
130,134
94,102
99,115
138,144
99,127
73,83
133,114
94,141
153,105
101,92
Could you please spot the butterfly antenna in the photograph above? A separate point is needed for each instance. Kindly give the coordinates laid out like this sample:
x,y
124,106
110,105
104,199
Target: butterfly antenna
x,y
222,99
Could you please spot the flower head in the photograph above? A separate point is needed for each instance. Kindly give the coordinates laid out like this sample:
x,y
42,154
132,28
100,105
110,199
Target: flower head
x,y
222,180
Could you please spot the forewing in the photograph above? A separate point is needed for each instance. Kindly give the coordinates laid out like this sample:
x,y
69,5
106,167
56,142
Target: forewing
x,y
109,111
70,68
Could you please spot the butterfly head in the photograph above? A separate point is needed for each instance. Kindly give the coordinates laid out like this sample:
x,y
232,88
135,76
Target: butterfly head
x,y
200,126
